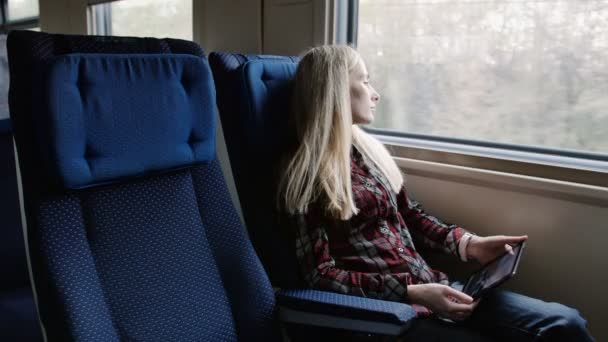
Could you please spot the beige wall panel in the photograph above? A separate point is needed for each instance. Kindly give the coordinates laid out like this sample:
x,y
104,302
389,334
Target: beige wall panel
x,y
293,26
63,16
564,260
228,25
288,27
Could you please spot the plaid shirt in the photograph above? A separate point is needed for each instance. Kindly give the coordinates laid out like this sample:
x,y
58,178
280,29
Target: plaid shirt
x,y
372,254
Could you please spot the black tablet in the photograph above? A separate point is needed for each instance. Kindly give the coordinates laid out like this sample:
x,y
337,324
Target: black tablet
x,y
494,274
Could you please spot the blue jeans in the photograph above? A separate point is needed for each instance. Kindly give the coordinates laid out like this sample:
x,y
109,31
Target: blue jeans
x,y
506,316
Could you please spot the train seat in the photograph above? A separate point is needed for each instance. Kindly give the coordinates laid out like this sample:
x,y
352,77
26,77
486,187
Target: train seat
x,y
253,137
131,231
253,94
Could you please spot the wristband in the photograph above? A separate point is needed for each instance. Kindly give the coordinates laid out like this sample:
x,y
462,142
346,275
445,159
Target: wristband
x,y
462,246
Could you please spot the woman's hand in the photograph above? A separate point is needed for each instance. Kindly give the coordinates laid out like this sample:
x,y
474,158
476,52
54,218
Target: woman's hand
x,y
442,300
486,249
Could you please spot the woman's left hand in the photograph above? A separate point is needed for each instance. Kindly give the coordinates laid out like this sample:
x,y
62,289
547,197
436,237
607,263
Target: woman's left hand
x,y
486,249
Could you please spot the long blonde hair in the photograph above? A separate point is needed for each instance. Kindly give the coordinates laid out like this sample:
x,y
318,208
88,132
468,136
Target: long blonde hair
x,y
323,133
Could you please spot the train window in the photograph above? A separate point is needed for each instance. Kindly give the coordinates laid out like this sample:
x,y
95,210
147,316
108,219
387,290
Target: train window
x,y
18,15
143,18
527,72
21,9
15,14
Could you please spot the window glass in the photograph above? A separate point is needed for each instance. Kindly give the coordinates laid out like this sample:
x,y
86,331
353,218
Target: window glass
x,y
526,72
151,18
22,9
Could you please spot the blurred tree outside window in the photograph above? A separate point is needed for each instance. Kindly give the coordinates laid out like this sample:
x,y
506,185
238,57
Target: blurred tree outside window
x,y
527,72
150,18
21,9
17,14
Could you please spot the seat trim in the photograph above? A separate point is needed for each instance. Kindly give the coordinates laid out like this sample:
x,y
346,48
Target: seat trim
x,y
287,315
25,240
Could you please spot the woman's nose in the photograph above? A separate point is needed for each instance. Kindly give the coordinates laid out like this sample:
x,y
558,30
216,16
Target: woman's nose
x,y
375,96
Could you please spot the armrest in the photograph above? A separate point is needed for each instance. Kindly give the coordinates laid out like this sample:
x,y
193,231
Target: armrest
x,y
333,310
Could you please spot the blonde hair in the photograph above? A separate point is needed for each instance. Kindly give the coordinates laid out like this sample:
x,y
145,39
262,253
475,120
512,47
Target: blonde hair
x,y
321,125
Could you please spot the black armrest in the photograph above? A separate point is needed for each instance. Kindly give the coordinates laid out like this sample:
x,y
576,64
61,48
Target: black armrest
x,y
333,310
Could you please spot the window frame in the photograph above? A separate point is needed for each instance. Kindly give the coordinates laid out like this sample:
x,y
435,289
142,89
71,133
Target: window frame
x,y
99,17
21,24
516,161
552,163
98,2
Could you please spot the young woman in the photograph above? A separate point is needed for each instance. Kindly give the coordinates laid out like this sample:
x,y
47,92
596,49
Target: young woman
x,y
357,231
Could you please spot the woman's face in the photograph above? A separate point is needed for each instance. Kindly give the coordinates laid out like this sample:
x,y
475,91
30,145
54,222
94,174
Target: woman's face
x,y
363,97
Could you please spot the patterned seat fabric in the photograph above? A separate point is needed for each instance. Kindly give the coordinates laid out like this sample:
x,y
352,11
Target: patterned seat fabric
x,y
131,231
254,127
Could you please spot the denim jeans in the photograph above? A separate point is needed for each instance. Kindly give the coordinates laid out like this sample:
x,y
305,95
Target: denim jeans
x,y
506,316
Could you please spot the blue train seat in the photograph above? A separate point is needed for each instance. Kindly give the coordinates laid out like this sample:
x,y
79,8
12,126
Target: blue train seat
x,y
254,139
253,97
132,234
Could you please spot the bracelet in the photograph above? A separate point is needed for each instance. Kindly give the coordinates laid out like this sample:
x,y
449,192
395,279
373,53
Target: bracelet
x,y
462,246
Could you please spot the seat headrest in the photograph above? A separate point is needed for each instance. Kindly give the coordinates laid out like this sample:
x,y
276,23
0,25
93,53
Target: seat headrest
x,y
268,85
101,118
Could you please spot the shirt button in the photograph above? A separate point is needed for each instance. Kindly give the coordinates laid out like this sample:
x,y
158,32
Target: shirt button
x,y
400,250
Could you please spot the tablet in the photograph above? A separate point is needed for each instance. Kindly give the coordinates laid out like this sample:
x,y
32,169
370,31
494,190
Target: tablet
x,y
493,274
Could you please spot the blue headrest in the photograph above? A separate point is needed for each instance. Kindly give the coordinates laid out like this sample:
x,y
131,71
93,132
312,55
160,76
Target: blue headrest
x,y
117,116
268,87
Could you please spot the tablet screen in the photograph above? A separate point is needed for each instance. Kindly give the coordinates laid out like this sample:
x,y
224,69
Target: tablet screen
x,y
493,274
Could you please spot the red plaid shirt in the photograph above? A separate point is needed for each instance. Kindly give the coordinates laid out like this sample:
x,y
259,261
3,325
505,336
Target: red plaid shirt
x,y
372,254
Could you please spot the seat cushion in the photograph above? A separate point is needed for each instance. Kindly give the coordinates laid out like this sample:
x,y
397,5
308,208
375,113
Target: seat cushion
x,y
132,261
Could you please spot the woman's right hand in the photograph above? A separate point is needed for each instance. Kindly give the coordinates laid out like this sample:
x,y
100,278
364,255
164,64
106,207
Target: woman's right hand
x,y
442,300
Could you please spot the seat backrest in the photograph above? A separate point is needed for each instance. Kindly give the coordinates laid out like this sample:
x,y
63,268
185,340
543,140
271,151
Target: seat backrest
x,y
235,112
12,250
131,231
253,94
